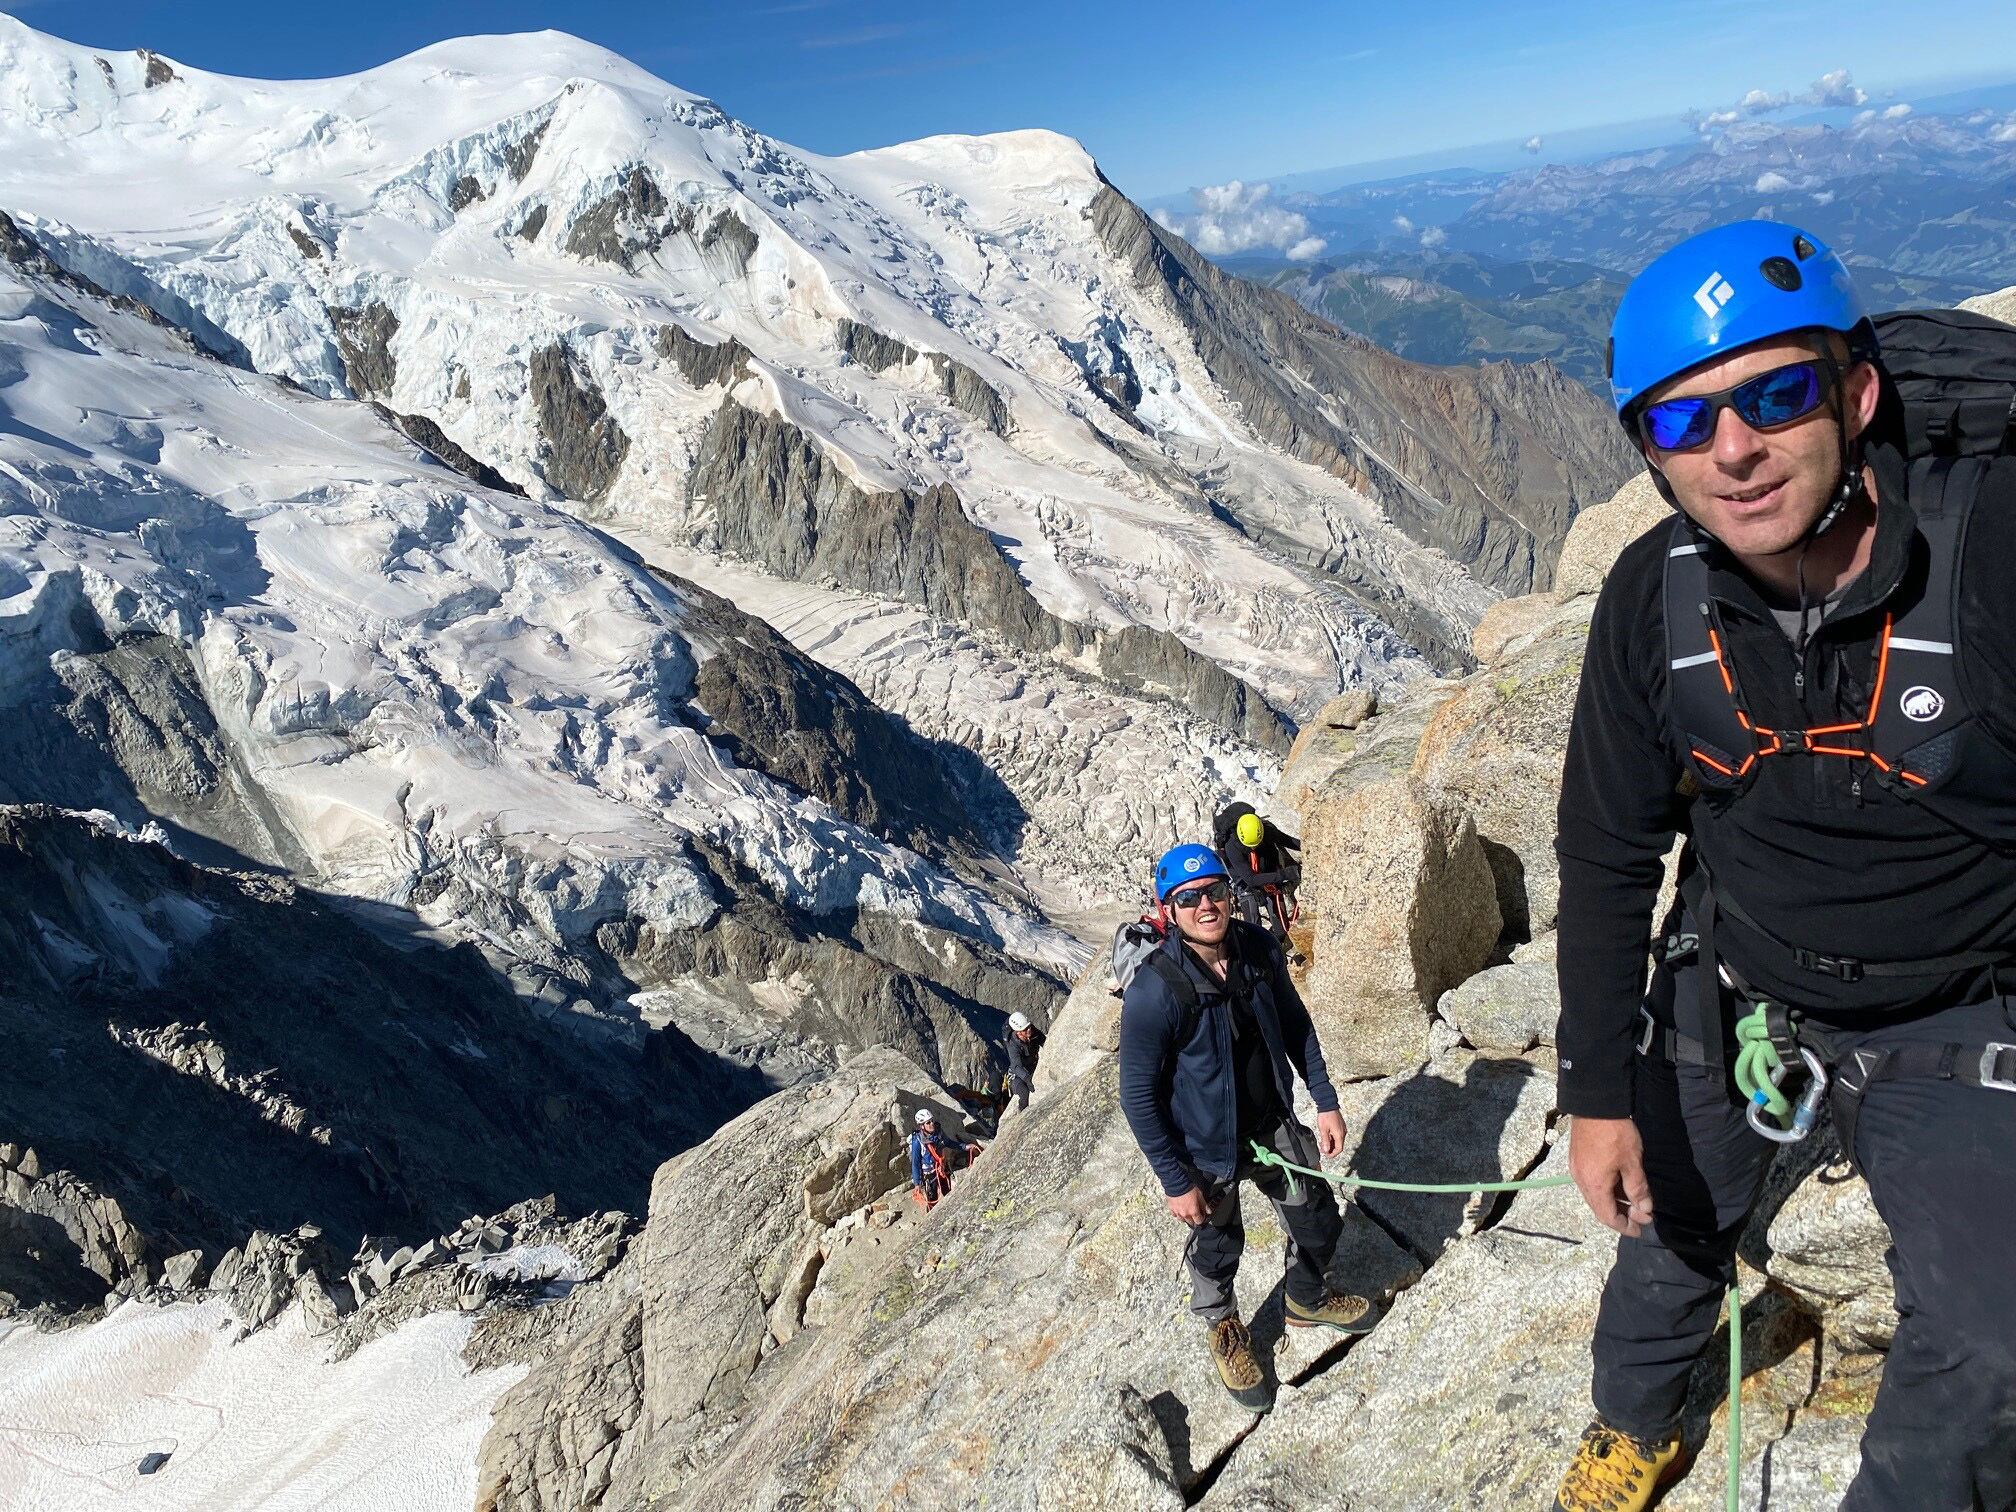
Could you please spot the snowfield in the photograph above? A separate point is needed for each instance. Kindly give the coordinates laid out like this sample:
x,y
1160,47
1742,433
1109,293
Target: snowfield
x,y
265,1424
422,677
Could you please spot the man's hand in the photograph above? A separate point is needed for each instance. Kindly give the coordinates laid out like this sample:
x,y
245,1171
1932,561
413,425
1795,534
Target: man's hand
x,y
1330,1133
1191,1207
1607,1159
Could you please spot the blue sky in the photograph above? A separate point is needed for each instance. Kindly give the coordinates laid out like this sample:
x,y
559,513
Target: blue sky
x,y
1167,96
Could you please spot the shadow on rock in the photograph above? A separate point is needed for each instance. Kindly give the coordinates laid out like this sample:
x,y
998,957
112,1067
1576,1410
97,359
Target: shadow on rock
x,y
1490,1126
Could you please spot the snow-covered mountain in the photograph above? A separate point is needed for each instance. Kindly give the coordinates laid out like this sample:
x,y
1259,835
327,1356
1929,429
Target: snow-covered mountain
x,y
962,377
1063,529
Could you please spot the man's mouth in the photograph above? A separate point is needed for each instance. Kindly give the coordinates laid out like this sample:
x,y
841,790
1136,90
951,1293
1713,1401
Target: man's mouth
x,y
1755,495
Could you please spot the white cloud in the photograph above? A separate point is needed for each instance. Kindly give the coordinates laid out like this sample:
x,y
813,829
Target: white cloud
x,y
1836,88
1896,112
1403,225
1434,236
1532,144
1863,117
1830,89
1308,247
1772,181
1237,217
1824,197
2006,132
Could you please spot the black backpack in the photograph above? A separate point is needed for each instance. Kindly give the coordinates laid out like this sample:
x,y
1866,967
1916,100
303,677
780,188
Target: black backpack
x,y
1953,379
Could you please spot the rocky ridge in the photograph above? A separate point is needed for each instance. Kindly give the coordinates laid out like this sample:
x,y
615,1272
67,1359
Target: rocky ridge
x,y
1035,1318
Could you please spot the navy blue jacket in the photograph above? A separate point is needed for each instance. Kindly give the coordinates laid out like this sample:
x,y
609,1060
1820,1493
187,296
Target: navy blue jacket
x,y
949,1147
1181,1100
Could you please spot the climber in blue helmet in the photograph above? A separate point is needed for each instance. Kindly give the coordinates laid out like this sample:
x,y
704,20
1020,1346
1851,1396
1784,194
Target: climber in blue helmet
x,y
1212,1034
1807,673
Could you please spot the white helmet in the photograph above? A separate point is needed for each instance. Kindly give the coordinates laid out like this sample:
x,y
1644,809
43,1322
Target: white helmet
x,y
1017,1022
925,1115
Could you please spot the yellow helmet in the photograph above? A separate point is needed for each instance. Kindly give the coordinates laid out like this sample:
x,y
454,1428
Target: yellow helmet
x,y
1251,831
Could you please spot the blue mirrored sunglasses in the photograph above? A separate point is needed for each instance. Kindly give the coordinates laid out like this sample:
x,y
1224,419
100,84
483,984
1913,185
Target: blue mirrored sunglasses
x,y
1774,398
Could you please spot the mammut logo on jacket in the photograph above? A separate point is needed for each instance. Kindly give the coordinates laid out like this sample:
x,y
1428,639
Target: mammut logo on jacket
x,y
1922,704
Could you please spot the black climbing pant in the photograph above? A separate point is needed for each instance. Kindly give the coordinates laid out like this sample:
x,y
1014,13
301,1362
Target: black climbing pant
x,y
1020,1088
1308,1212
1940,1157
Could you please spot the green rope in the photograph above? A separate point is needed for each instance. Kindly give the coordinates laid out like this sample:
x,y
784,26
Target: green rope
x,y
1758,1067
1734,1499
1264,1156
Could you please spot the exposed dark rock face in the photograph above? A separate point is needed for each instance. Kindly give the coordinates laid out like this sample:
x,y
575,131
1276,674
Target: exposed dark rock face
x,y
426,434
872,349
628,224
126,728
518,157
533,224
304,243
25,253
236,1055
728,232
1489,464
775,498
971,394
364,341
468,190
585,447
725,362
785,715
158,71
937,998
1102,358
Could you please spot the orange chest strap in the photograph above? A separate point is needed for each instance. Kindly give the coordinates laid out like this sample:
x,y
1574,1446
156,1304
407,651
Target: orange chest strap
x,y
1817,740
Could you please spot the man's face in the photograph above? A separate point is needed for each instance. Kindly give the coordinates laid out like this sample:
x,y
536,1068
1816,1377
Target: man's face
x,y
1760,491
1023,1034
929,1126
1200,910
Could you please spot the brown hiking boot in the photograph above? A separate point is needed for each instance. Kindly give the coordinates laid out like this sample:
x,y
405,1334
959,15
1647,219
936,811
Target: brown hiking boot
x,y
1232,1353
1339,1310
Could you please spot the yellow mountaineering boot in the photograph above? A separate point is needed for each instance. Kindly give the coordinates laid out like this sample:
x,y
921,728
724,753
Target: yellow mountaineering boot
x,y
1614,1472
1232,1353
1339,1310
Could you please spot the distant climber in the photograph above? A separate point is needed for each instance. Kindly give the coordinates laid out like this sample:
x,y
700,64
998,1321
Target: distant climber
x,y
934,1156
1025,1045
1212,1033
1808,673
1261,860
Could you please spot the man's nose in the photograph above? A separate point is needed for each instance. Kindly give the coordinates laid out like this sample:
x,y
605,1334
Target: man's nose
x,y
1735,440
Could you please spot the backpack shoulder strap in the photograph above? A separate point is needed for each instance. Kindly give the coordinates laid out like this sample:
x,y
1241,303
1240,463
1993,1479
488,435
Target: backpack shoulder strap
x,y
1189,1008
1699,700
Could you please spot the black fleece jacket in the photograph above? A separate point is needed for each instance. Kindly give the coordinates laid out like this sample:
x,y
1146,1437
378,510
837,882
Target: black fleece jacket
x,y
1817,857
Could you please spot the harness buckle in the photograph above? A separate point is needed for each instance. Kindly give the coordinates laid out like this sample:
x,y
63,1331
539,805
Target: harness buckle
x,y
1841,968
1649,1033
1991,1057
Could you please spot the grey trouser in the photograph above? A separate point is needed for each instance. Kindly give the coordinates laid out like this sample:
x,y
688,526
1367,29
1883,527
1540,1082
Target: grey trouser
x,y
1308,1212
1940,1157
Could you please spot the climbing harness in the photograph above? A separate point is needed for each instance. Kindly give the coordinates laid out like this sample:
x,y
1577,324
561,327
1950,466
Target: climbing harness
x,y
1733,1497
937,1177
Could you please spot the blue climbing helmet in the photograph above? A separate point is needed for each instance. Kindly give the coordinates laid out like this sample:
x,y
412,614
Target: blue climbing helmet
x,y
1185,863
1724,289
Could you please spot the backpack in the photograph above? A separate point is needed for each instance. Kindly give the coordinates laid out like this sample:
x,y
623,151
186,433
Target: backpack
x,y
1954,377
1133,943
